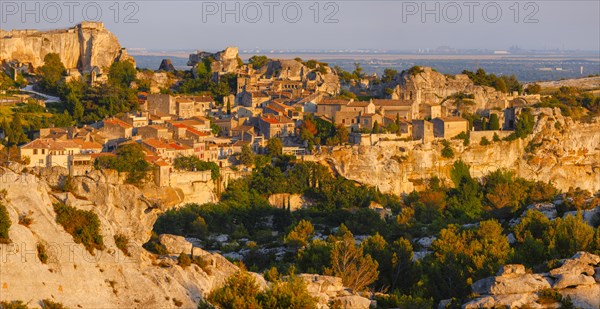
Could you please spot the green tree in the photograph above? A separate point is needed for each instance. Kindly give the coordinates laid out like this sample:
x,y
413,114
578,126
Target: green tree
x,y
494,122
122,73
461,257
247,156
342,134
524,124
258,62
375,127
348,262
131,158
460,172
388,75
16,135
275,147
52,72
572,235
300,234
193,163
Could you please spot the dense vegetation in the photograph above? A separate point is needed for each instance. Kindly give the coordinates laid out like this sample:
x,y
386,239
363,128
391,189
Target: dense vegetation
x,y
192,163
242,291
83,225
130,158
468,216
501,83
573,103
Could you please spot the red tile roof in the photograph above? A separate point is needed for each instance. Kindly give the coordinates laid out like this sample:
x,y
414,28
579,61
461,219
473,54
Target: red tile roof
x,y
117,122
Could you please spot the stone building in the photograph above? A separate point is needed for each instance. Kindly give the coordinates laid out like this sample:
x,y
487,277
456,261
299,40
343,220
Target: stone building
x,y
449,127
422,130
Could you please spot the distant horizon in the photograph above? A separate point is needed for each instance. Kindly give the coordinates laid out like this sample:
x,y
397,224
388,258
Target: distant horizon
x,y
335,25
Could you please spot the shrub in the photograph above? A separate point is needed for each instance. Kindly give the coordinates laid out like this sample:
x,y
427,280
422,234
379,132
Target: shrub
x,y
83,225
48,304
15,304
4,225
184,260
25,220
121,242
484,141
464,136
549,297
496,137
41,252
447,152
154,245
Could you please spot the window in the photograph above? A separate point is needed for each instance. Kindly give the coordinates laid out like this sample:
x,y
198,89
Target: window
x,y
35,151
43,151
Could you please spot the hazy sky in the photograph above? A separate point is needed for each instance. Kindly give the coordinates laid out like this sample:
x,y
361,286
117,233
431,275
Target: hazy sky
x,y
387,25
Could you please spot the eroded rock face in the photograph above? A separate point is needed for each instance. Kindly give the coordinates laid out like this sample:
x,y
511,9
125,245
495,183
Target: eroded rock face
x,y
431,87
566,155
514,288
83,47
226,61
107,278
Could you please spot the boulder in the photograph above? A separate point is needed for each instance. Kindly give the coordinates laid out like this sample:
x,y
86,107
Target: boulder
x,y
511,269
584,296
572,280
580,263
511,284
175,244
597,274
353,302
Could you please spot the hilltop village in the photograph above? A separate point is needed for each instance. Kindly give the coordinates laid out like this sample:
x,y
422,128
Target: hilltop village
x,y
327,188
297,105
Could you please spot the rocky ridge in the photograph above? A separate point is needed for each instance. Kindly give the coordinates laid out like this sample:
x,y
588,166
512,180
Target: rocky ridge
x,y
577,278
109,278
82,47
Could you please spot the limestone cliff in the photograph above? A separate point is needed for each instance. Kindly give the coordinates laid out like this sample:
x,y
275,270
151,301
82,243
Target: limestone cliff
x,y
83,47
427,86
560,150
107,279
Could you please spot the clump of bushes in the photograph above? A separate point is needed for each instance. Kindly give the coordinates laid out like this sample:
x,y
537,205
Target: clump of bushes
x,y
15,304
49,304
192,163
4,225
121,242
130,159
25,219
184,260
83,225
484,141
447,151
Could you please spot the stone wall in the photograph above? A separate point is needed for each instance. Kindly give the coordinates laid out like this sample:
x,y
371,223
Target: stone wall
x,y
476,136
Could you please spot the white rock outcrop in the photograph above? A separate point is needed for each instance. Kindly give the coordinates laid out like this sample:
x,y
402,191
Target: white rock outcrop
x,y
513,287
83,47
